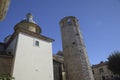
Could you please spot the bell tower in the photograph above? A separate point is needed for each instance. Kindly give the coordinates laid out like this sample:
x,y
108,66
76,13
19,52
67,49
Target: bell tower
x,y
28,24
76,61
32,51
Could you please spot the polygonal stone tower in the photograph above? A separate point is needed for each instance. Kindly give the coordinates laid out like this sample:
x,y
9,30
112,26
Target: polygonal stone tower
x,y
76,62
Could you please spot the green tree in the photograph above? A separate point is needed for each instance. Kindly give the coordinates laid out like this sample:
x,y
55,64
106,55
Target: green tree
x,y
6,77
114,62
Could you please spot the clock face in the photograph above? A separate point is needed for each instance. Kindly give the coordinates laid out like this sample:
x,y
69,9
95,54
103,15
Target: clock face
x,y
69,22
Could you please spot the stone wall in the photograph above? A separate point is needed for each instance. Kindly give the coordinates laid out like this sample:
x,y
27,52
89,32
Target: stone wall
x,y
57,70
101,72
5,64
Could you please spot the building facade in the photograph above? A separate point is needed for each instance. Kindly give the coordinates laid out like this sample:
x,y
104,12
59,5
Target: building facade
x,y
101,72
26,54
57,66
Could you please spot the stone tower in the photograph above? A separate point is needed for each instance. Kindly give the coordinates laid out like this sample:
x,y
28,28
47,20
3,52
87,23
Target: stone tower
x,y
77,65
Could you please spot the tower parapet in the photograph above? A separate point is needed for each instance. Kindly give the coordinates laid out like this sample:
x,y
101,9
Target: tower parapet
x,y
70,20
76,61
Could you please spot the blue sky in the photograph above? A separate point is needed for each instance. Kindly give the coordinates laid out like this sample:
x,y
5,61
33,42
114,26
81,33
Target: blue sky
x,y
99,22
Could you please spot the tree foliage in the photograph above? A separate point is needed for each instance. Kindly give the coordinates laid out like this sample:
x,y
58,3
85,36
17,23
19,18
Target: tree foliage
x,y
6,77
114,62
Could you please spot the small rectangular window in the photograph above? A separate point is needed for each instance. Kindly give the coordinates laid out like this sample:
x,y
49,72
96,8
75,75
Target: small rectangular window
x,y
37,43
101,70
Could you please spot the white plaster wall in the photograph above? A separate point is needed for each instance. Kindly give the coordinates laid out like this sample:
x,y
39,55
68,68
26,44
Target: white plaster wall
x,y
32,62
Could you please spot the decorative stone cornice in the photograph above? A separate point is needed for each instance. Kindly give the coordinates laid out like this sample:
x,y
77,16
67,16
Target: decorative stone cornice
x,y
39,36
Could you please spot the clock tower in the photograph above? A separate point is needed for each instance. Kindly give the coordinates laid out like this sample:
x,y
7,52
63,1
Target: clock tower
x,y
76,61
